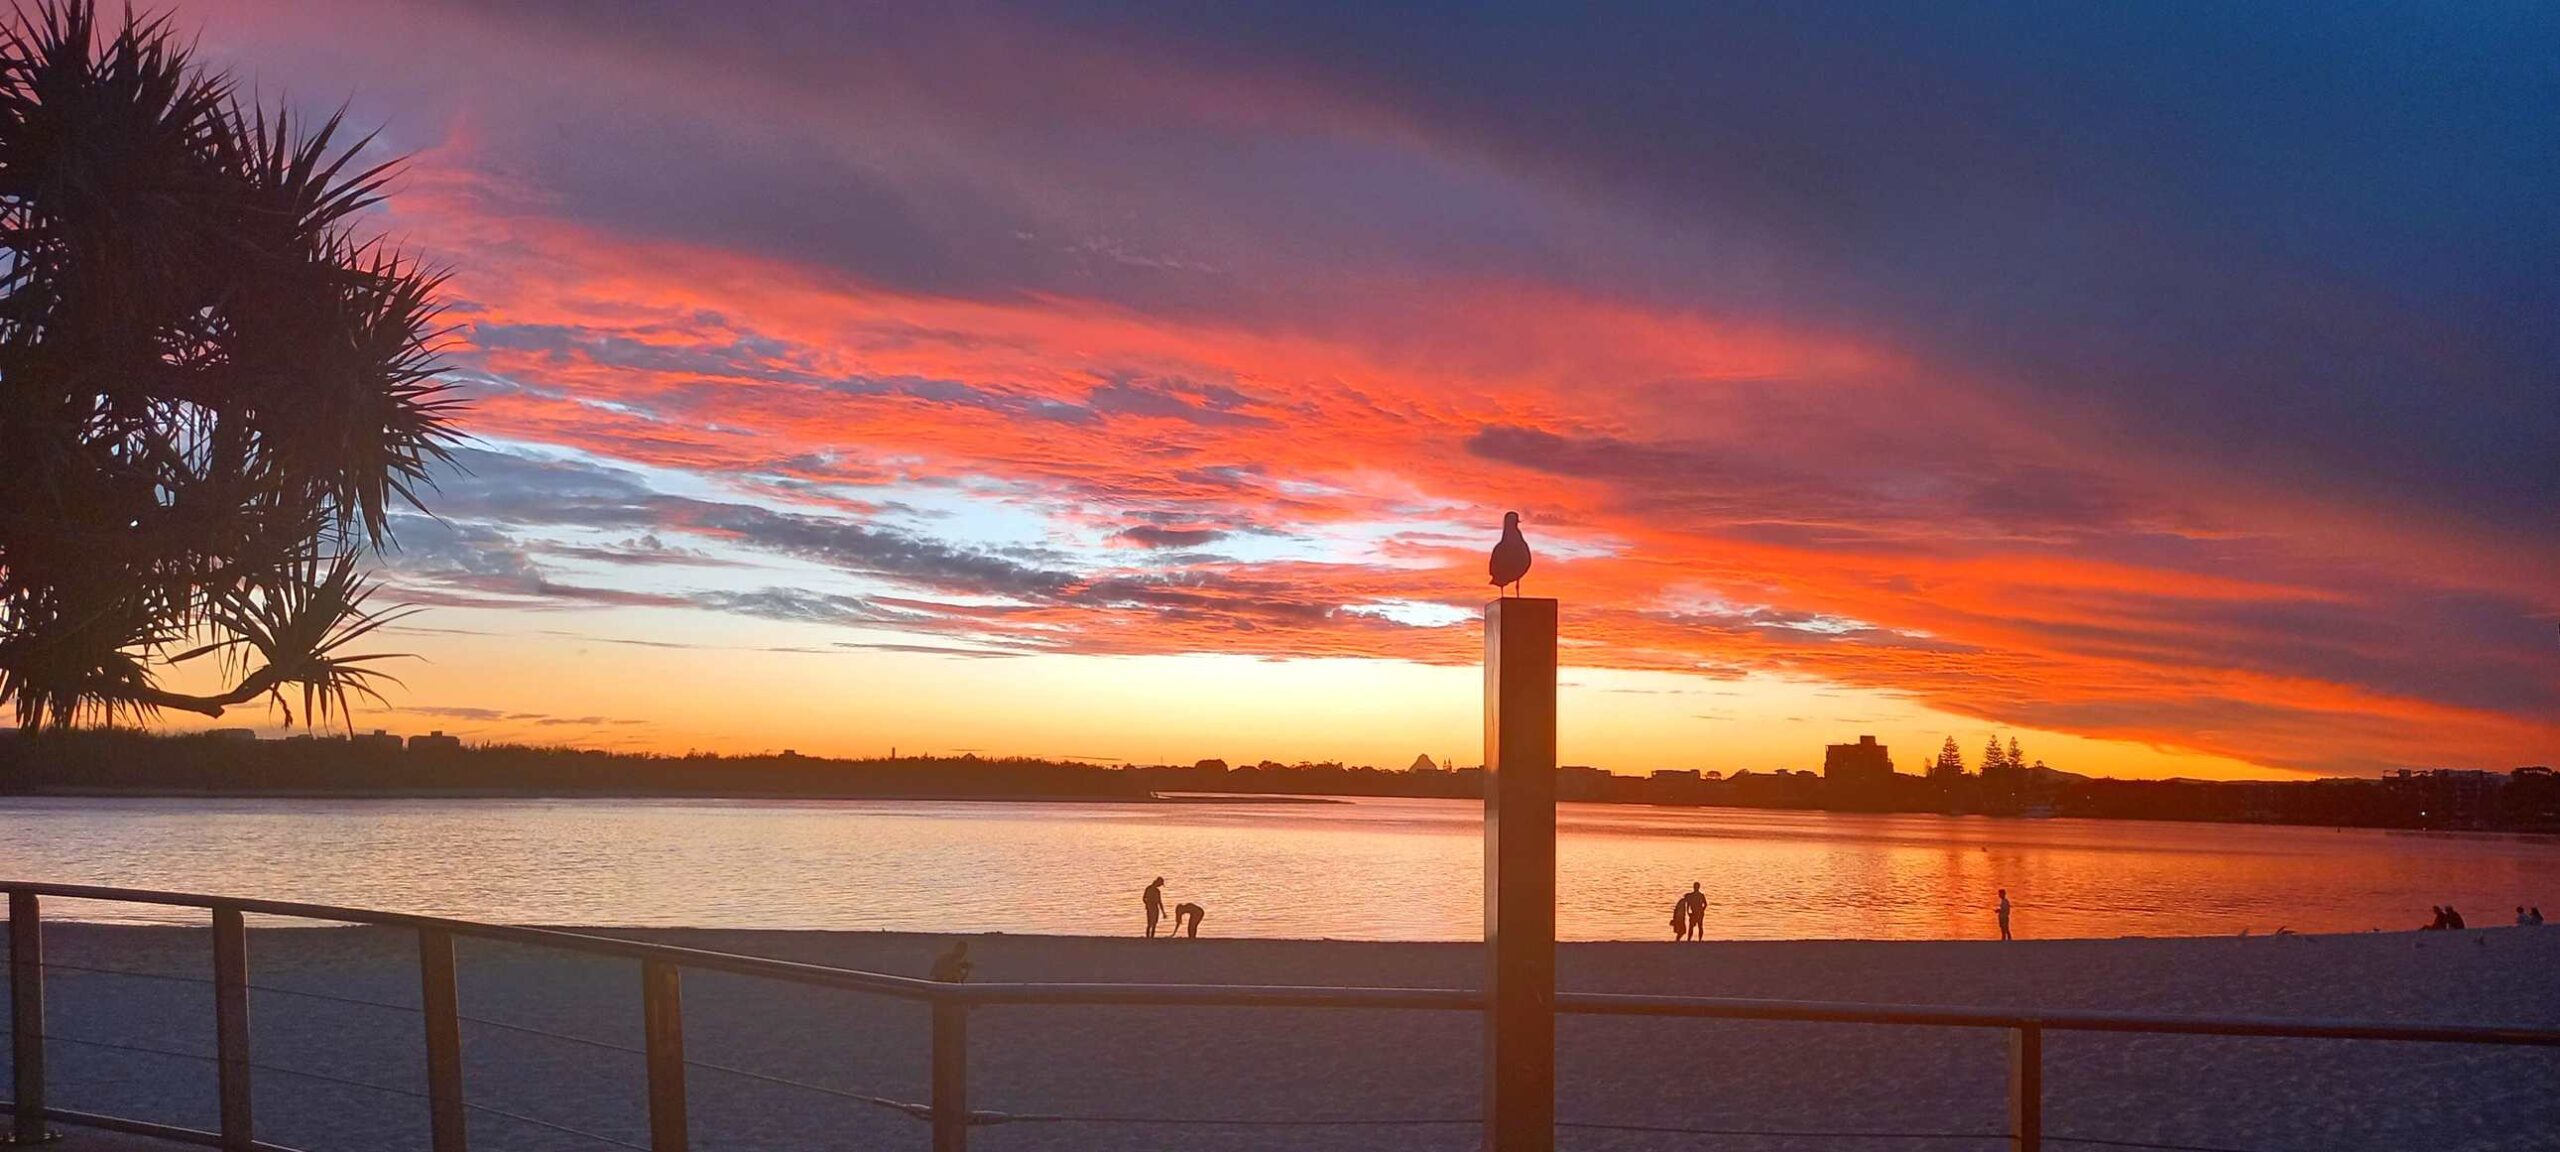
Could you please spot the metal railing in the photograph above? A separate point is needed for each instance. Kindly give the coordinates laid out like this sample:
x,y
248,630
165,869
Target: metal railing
x,y
948,1113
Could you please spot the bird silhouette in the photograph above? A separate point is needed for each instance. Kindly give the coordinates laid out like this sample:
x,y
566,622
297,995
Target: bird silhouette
x,y
1511,556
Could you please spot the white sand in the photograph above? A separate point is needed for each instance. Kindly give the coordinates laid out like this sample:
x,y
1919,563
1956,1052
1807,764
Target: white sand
x,y
2256,1095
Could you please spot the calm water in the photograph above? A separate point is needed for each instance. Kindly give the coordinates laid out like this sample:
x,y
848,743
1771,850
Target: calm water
x,y
1366,869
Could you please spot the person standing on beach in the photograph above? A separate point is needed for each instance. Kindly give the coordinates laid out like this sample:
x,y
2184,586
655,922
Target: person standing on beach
x,y
1155,905
2004,914
1692,914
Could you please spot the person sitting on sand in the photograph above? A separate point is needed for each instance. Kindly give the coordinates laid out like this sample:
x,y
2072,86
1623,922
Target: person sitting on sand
x,y
1155,905
1693,914
2004,914
2522,920
2438,924
1191,912
2453,918
953,967
2536,913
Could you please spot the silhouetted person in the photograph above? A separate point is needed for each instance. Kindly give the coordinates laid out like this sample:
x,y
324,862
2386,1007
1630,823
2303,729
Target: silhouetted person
x,y
1680,918
2004,914
2438,924
2522,920
953,967
2536,913
2453,918
1191,913
1692,914
1155,906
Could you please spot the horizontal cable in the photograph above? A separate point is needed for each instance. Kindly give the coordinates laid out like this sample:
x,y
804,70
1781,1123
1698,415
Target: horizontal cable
x,y
581,1133
1056,1118
547,1034
1781,1133
267,988
919,1111
127,972
325,1078
2106,1143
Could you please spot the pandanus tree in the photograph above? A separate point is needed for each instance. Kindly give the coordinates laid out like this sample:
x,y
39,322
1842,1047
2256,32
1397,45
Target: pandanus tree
x,y
214,388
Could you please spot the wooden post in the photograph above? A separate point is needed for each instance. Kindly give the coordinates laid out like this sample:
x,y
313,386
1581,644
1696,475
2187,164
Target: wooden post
x,y
448,1127
26,1017
2026,1089
950,1077
1520,874
231,1027
662,1013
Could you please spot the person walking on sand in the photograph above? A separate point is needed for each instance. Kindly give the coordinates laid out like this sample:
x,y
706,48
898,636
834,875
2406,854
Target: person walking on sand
x,y
1155,905
2004,914
1190,913
1692,914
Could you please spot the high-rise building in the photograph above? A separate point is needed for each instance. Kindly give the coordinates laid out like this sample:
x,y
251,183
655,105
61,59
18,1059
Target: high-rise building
x,y
1865,762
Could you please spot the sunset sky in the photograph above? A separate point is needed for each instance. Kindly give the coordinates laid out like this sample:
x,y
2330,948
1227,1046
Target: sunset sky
x,y
1147,382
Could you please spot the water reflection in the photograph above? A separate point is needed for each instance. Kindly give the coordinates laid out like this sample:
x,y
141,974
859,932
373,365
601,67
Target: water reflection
x,y
1366,869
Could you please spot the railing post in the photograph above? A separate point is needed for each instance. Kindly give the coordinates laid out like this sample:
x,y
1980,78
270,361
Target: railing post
x,y
448,1128
26,1017
2026,1088
950,1076
662,1014
231,1026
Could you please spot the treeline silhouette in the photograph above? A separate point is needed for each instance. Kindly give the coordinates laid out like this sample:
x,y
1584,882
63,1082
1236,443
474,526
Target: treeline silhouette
x,y
129,762
125,762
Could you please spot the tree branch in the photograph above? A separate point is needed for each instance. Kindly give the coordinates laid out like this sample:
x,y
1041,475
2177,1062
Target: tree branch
x,y
257,684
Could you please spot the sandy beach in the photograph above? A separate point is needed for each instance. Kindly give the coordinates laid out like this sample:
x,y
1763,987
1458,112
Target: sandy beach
x,y
1147,1066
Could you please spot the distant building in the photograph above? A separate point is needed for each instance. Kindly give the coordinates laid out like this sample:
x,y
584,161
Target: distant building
x,y
435,741
378,739
232,735
1424,763
1580,782
1865,762
2460,796
1678,776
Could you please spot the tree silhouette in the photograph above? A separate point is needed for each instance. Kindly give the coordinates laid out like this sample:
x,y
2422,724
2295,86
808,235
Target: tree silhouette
x,y
2017,761
1950,760
1993,759
212,390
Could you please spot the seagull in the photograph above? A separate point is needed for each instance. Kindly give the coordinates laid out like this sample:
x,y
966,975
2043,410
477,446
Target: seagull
x,y
1511,556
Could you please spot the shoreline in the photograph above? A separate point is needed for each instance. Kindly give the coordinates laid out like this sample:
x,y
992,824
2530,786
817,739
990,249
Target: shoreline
x,y
1196,798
